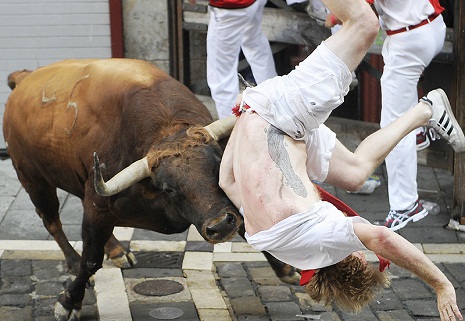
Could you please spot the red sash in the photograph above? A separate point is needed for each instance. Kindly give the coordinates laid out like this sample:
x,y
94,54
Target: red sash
x,y
231,4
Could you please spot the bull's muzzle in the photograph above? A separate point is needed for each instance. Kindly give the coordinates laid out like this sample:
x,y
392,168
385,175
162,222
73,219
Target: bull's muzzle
x,y
222,229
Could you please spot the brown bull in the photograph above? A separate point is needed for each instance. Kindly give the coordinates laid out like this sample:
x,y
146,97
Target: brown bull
x,y
151,134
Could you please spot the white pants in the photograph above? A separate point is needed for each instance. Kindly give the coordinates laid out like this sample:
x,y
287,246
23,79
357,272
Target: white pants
x,y
229,30
405,56
300,102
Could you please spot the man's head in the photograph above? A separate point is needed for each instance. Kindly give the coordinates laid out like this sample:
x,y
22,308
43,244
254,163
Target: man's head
x,y
350,284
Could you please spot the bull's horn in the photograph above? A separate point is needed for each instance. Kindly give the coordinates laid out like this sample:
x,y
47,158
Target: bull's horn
x,y
221,128
125,178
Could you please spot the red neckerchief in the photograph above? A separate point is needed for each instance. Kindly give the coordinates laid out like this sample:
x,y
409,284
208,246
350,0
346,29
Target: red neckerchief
x,y
238,110
306,275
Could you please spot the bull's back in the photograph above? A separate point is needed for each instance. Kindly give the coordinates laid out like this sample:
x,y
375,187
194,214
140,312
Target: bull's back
x,y
58,115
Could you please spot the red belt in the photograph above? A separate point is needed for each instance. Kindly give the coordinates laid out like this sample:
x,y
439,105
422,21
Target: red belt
x,y
424,22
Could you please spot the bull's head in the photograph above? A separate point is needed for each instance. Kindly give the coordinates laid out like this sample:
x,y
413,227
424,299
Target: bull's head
x,y
170,171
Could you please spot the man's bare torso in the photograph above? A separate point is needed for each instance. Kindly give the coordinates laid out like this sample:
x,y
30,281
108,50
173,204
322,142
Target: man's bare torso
x,y
272,187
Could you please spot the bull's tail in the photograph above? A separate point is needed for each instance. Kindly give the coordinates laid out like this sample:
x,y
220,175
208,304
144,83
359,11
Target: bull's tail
x,y
16,77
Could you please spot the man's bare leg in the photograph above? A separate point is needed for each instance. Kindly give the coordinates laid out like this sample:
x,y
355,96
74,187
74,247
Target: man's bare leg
x,y
359,30
349,170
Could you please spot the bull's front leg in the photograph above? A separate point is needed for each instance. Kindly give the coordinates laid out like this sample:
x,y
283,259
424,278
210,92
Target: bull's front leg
x,y
285,272
69,305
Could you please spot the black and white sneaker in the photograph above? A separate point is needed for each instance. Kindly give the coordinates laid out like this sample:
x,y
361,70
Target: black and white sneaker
x,y
443,121
398,219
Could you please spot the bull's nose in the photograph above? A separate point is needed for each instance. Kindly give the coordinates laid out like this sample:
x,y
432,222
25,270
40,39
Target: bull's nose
x,y
219,230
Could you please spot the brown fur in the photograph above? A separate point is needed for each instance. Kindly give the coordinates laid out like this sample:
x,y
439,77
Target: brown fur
x,y
198,136
350,284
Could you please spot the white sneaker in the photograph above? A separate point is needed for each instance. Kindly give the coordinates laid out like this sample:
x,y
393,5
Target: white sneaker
x,y
443,121
319,14
369,186
398,219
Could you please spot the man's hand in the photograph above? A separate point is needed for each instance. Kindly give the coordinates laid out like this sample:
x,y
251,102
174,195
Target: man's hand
x,y
394,247
447,304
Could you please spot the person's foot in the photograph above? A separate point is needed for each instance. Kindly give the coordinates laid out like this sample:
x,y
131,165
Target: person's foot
x,y
369,186
398,219
443,121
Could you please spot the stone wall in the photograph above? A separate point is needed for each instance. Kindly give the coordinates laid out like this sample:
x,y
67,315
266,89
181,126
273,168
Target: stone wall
x,y
145,27
146,36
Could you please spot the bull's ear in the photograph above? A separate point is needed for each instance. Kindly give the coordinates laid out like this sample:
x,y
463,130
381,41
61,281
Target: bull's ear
x,y
221,128
125,178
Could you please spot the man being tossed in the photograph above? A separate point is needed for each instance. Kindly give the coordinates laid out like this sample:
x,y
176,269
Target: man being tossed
x,y
280,144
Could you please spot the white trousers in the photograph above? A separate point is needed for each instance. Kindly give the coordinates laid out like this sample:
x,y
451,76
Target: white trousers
x,y
229,30
405,56
300,102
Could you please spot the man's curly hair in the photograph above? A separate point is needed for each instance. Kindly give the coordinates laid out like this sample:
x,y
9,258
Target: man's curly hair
x,y
350,284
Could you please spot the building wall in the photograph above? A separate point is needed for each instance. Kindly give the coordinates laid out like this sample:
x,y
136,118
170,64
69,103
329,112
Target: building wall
x,y
34,33
145,28
146,36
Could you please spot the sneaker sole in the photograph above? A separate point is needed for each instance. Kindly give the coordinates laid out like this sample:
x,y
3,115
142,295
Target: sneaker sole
x,y
461,148
414,218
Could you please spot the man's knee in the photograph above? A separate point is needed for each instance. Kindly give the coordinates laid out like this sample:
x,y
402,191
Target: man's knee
x,y
355,181
354,185
366,23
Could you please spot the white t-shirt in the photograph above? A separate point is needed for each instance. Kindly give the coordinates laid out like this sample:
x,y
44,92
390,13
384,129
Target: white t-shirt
x,y
320,237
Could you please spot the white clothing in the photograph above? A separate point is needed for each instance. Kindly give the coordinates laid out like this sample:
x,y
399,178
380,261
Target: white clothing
x,y
320,237
300,102
397,14
229,30
289,2
405,56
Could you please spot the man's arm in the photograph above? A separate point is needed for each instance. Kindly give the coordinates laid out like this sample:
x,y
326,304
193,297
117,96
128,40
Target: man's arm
x,y
403,253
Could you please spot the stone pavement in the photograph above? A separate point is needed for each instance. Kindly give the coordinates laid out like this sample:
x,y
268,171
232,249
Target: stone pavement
x,y
181,277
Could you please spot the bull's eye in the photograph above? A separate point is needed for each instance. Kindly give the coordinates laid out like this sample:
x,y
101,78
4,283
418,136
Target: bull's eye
x,y
169,190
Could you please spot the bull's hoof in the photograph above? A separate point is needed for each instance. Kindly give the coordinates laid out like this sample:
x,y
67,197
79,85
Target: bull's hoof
x,y
293,279
62,314
125,260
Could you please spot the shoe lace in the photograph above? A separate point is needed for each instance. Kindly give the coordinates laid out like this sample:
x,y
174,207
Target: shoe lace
x,y
433,135
391,215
